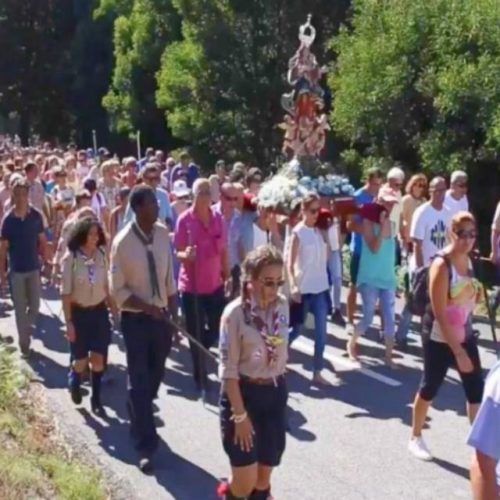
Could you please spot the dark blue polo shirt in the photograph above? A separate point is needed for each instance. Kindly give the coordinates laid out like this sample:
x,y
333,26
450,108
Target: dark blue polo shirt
x,y
22,235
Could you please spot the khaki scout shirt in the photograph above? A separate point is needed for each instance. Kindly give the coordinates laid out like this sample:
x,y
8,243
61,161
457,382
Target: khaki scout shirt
x,y
85,280
129,272
242,348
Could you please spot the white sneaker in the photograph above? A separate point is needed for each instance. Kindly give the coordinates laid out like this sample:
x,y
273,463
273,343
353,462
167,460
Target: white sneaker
x,y
418,448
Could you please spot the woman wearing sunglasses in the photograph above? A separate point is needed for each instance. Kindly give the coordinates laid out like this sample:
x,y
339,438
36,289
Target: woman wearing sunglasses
x,y
253,353
416,192
307,273
448,339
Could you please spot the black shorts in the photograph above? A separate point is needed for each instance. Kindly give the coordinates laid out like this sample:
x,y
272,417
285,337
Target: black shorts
x,y
266,408
93,331
438,357
354,267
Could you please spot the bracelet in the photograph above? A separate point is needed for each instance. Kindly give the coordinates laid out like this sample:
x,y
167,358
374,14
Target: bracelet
x,y
238,419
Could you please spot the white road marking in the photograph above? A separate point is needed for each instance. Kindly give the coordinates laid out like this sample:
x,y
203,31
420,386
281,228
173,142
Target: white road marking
x,y
308,348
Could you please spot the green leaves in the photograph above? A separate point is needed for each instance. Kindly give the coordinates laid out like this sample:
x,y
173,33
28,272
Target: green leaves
x,y
420,81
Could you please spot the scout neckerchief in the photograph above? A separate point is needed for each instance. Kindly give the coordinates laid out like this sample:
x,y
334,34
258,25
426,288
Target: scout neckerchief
x,y
271,339
147,241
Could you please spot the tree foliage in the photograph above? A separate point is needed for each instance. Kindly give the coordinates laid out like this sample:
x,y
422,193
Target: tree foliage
x,y
142,29
419,82
220,86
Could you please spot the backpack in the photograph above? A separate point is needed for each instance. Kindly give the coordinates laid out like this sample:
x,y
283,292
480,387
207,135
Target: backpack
x,y
418,296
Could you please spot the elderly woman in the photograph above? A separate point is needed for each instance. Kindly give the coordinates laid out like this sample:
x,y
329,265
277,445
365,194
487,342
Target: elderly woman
x,y
85,298
416,191
448,339
253,347
377,275
307,273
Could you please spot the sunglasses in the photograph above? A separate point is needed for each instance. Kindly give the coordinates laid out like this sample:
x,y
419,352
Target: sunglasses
x,y
462,185
421,185
268,283
466,235
398,185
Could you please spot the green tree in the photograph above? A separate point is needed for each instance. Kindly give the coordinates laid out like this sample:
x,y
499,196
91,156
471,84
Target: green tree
x,y
142,29
34,64
419,82
220,86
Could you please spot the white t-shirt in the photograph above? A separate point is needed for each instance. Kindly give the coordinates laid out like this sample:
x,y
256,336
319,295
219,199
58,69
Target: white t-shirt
x,y
98,203
259,236
333,236
82,172
455,206
431,226
310,265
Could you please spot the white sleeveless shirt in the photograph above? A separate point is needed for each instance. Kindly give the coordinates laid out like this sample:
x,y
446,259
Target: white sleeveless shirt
x,y
310,264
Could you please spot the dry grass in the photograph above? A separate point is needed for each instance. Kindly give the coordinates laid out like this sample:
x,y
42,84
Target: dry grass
x,y
34,462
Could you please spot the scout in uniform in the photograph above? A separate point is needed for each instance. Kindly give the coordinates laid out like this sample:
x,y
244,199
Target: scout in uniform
x,y
253,347
142,283
85,297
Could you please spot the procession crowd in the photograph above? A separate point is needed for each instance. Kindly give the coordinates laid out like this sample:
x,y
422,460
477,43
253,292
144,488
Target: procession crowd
x,y
132,242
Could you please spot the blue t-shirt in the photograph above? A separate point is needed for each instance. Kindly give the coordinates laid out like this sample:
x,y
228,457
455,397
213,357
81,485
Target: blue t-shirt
x,y
361,197
485,432
22,235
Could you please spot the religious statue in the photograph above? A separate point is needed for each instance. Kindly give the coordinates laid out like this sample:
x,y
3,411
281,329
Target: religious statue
x,y
304,124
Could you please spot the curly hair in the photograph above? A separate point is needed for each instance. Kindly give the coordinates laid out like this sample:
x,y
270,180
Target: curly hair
x,y
256,260
80,232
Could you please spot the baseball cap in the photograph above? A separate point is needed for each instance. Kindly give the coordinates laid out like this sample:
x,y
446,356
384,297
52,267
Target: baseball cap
x,y
180,188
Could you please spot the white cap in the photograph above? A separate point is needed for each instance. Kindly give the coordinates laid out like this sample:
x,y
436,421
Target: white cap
x,y
396,173
458,175
180,188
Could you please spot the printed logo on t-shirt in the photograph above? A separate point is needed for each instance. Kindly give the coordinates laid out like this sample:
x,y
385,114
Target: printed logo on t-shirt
x,y
438,234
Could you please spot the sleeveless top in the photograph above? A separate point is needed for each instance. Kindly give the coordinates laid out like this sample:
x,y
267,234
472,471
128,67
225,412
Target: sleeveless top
x,y
461,302
311,262
378,269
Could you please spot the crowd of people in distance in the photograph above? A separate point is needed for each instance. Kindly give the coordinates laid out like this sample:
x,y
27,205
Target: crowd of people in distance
x,y
136,243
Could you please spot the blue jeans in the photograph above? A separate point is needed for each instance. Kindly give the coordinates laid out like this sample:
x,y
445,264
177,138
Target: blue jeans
x,y
335,278
369,296
317,304
404,324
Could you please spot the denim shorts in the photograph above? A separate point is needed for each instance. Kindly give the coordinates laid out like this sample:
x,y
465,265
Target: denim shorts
x,y
266,408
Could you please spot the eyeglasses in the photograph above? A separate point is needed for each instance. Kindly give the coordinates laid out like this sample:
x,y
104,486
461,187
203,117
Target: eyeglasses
x,y
231,198
466,235
313,211
462,185
152,179
269,283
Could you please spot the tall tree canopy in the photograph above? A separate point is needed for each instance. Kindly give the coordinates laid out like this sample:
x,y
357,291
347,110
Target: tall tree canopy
x,y
142,30
419,81
220,86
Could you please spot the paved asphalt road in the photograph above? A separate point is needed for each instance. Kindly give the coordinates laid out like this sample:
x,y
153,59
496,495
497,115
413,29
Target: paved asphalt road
x,y
346,442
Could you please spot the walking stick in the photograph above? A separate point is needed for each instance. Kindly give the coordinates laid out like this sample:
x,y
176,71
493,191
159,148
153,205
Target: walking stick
x,y
482,275
201,362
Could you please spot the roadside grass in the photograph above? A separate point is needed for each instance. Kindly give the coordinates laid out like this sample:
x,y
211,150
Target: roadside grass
x,y
33,461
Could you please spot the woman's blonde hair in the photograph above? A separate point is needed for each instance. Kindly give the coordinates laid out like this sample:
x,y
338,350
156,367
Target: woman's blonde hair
x,y
413,180
109,165
256,260
459,218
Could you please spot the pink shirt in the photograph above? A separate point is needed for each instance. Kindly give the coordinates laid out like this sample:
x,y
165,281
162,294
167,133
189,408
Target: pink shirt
x,y
204,274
